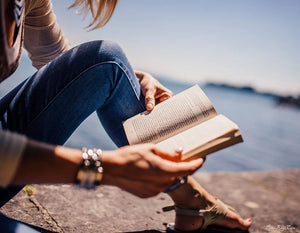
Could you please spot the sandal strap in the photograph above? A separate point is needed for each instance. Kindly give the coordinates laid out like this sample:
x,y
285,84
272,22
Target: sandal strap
x,y
168,208
189,212
218,211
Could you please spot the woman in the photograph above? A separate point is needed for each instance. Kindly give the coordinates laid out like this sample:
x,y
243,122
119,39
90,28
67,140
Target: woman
x,y
43,111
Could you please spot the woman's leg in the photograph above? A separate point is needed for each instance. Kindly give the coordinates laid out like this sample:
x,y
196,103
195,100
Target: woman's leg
x,y
57,98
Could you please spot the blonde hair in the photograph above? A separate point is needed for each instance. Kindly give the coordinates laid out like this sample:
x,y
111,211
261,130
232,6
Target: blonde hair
x,y
101,11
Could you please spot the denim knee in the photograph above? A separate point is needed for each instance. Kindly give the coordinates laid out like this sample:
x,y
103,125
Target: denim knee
x,y
111,51
101,51
90,54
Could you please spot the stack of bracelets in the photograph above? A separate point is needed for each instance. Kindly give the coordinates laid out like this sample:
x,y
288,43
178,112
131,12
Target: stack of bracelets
x,y
90,172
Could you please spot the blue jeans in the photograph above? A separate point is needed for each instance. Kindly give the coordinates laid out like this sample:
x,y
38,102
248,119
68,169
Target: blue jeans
x,y
51,104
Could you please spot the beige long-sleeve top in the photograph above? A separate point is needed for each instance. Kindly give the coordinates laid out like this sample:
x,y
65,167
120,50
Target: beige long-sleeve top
x,y
44,41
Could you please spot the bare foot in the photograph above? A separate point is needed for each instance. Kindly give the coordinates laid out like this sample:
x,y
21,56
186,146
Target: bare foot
x,y
192,196
232,221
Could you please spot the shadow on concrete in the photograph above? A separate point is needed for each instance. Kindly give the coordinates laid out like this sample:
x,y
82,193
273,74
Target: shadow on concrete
x,y
216,229
9,225
39,229
208,230
145,231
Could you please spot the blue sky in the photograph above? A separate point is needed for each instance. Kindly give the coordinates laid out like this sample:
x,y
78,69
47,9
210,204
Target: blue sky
x,y
247,42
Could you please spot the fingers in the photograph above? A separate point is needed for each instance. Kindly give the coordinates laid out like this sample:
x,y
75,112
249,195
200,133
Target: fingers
x,y
153,91
181,168
149,98
172,164
144,170
176,157
143,189
156,95
146,162
163,96
162,93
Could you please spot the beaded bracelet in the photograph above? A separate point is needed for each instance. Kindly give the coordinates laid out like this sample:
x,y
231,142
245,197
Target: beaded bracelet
x,y
90,172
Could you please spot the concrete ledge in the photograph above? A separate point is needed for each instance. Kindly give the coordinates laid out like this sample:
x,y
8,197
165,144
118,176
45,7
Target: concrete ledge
x,y
271,199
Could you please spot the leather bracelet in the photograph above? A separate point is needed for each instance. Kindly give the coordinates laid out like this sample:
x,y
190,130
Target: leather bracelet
x,y
179,181
90,172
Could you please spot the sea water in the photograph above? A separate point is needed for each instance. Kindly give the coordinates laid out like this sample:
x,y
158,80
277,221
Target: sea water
x,y
271,132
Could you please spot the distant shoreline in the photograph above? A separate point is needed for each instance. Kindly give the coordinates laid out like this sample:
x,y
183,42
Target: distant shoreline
x,y
280,99
288,100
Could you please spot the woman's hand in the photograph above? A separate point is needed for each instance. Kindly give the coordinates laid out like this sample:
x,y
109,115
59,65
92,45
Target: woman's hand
x,y
144,170
153,91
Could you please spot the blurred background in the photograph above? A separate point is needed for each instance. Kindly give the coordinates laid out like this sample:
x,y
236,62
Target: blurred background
x,y
245,55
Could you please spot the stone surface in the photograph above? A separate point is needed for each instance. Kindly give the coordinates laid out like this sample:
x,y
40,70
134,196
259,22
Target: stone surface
x,y
270,198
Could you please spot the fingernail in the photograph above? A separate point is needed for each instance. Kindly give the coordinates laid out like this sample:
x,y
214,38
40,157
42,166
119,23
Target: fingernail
x,y
149,106
249,220
179,149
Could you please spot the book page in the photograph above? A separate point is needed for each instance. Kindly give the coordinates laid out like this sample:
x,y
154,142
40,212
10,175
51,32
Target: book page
x,y
214,145
180,112
202,137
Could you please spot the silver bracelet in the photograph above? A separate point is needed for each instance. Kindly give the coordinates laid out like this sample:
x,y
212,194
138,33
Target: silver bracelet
x,y
90,172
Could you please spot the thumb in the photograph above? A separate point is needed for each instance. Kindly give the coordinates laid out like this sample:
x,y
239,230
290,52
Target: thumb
x,y
149,99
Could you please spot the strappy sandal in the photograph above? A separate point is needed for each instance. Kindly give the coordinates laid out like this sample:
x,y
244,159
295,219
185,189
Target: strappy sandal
x,y
218,211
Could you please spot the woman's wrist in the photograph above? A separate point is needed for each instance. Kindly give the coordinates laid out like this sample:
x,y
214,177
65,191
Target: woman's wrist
x,y
43,157
108,162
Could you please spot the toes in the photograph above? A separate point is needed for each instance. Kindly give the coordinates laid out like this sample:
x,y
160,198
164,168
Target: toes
x,y
237,221
240,223
246,223
234,221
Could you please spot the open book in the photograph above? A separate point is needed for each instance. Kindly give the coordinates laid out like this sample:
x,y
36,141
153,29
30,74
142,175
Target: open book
x,y
186,120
